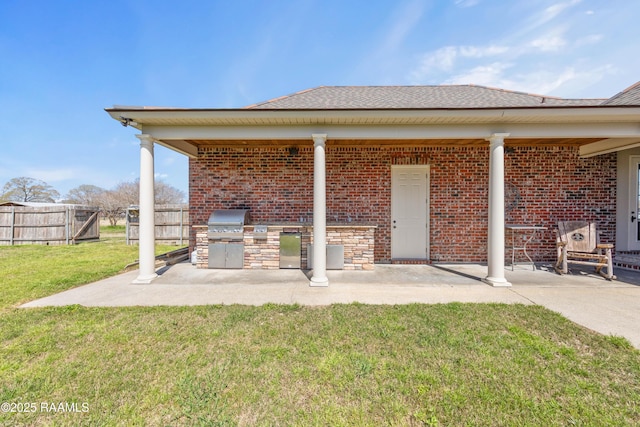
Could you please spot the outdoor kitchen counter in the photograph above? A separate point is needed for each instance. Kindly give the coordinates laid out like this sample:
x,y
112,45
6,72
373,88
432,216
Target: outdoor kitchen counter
x,y
262,250
310,225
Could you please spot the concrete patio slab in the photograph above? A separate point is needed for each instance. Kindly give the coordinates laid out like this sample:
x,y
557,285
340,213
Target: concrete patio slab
x,y
608,307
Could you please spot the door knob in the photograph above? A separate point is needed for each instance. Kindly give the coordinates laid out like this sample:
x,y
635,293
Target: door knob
x,y
633,216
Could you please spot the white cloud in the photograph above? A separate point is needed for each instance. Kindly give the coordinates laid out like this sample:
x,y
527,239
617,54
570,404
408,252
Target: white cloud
x,y
562,81
446,58
549,43
572,82
485,75
552,12
536,21
590,39
482,52
541,80
526,61
443,59
545,81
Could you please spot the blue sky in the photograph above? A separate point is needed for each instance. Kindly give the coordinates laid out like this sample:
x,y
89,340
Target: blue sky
x,y
64,61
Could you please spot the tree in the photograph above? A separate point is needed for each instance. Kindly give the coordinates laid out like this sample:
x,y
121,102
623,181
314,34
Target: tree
x,y
85,194
112,206
24,189
165,194
115,202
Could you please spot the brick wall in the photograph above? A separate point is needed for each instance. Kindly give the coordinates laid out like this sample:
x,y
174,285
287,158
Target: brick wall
x,y
553,183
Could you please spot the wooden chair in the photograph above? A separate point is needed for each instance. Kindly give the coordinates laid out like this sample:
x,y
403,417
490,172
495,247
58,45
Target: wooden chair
x,y
578,242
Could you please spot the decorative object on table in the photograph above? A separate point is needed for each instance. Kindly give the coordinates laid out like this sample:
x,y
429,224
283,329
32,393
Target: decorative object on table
x,y
511,199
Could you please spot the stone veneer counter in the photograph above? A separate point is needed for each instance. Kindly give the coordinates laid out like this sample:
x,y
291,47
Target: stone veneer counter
x,y
264,253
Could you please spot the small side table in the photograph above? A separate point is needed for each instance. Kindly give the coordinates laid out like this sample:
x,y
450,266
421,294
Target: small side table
x,y
523,229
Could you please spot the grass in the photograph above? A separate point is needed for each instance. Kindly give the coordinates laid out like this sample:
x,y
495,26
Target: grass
x,y
453,364
113,231
28,272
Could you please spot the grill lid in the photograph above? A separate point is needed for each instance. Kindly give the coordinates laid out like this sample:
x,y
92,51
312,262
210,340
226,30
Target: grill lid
x,y
229,217
228,224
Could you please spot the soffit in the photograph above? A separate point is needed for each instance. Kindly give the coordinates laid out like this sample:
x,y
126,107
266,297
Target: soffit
x,y
378,143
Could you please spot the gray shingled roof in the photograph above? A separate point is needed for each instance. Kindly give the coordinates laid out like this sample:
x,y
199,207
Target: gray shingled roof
x,y
629,96
414,97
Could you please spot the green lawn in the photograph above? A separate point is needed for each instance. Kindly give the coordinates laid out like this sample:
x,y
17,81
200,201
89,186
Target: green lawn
x,y
28,272
453,364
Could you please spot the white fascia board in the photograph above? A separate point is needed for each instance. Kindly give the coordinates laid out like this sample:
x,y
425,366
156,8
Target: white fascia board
x,y
584,130
143,115
592,113
608,146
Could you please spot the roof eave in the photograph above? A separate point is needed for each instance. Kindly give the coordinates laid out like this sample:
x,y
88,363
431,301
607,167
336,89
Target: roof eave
x,y
142,114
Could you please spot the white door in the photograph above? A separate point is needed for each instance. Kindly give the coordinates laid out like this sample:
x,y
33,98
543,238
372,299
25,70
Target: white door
x,y
634,203
409,212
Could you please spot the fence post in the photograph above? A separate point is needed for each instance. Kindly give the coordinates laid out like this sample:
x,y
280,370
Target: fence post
x,y
66,224
126,224
181,224
13,225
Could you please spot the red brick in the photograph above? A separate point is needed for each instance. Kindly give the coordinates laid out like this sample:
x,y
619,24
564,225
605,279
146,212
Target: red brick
x,y
553,182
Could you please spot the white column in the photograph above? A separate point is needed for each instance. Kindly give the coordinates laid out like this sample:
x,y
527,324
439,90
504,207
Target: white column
x,y
146,225
319,277
495,232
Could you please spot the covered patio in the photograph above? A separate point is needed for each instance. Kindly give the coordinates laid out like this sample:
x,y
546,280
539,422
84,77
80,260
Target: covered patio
x,y
583,297
595,127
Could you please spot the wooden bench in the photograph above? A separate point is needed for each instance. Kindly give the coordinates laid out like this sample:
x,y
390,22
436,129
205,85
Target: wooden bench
x,y
578,242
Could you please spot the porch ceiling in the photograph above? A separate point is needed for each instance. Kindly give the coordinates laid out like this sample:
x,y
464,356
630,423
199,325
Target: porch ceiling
x,y
395,142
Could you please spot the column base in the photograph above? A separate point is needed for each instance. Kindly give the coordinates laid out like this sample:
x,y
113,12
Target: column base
x,y
319,282
144,279
497,282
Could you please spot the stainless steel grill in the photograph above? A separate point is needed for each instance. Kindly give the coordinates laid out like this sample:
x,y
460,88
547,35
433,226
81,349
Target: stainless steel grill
x,y
227,224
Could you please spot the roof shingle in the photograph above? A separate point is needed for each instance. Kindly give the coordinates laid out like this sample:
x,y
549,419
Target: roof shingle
x,y
629,96
415,97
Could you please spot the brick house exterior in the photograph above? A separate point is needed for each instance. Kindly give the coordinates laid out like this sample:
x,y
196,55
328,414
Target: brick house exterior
x,y
561,158
554,184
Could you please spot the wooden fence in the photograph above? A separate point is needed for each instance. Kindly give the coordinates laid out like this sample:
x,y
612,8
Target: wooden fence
x,y
48,225
172,224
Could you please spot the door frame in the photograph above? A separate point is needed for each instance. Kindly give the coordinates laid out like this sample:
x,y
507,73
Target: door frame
x,y
427,171
632,236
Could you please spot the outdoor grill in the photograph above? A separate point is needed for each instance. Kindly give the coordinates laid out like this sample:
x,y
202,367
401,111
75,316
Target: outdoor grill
x,y
227,224
226,234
